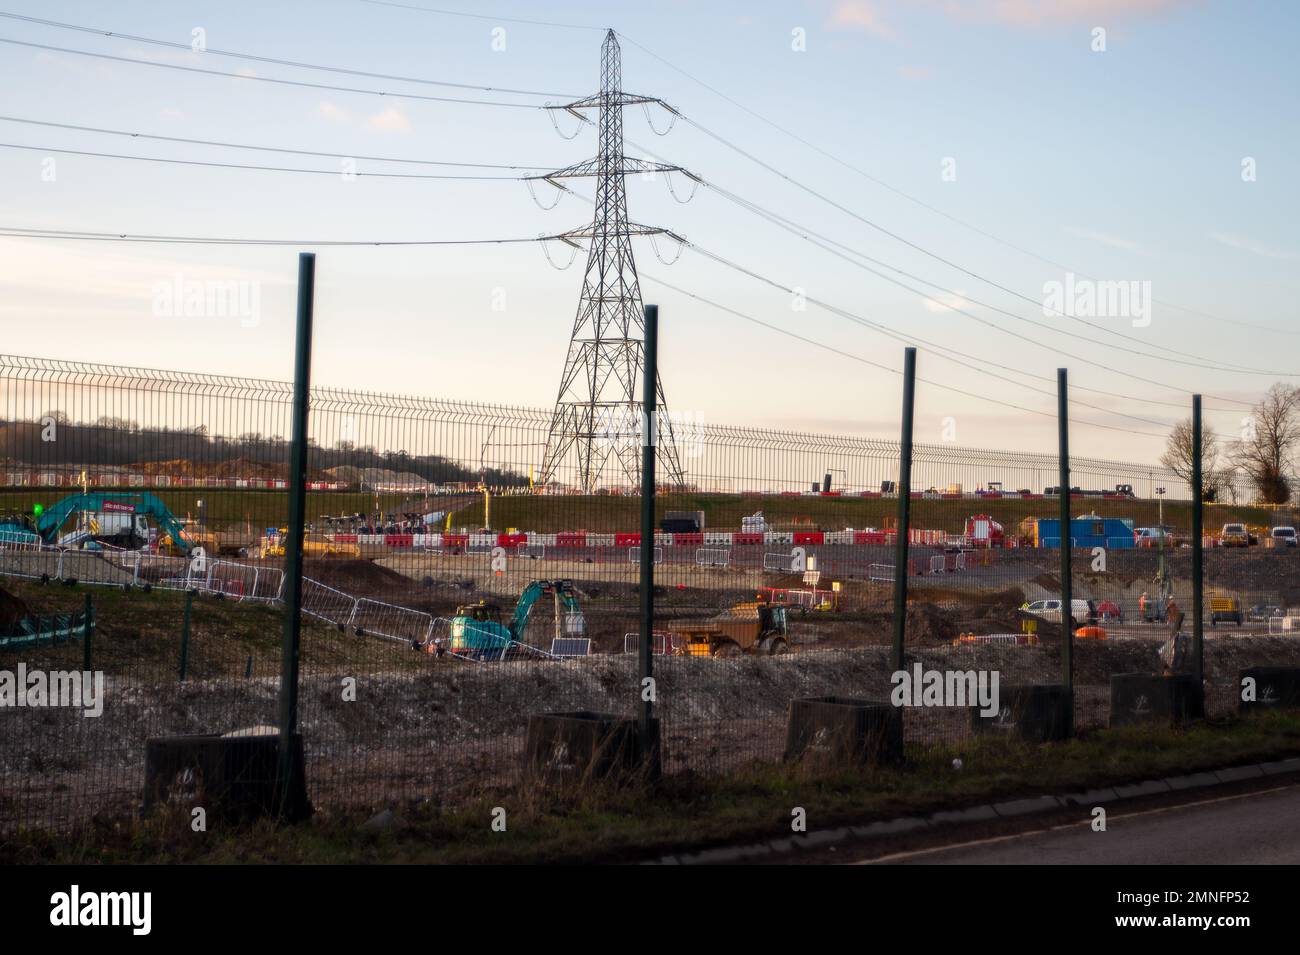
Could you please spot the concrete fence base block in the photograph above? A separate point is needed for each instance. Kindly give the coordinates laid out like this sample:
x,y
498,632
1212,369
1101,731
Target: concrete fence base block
x,y
843,731
582,746
1036,712
1272,687
1147,698
230,777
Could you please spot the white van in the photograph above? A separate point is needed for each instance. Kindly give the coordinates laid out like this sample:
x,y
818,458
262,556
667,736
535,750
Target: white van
x,y
1083,610
1283,536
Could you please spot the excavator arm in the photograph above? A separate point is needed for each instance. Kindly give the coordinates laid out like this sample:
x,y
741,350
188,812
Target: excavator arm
x,y
54,517
531,594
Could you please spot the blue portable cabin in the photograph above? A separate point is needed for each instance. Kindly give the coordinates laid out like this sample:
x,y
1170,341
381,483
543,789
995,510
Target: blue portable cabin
x,y
1087,531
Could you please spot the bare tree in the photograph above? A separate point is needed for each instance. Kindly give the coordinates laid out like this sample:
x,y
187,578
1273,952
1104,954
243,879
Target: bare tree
x,y
1269,439
1178,457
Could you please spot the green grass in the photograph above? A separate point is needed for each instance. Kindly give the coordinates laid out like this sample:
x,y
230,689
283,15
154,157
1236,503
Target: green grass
x,y
140,634
233,510
690,813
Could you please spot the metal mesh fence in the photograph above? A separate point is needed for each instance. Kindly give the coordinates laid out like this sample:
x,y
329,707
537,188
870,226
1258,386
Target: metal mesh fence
x,y
448,596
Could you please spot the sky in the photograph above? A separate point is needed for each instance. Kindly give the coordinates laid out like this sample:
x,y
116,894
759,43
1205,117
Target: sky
x,y
1017,156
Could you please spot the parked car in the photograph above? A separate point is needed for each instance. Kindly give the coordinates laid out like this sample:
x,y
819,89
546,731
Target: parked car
x,y
1154,536
1261,612
1234,535
1283,536
1084,611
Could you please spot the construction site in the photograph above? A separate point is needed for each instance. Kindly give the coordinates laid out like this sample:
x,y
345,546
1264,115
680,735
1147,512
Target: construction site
x,y
284,574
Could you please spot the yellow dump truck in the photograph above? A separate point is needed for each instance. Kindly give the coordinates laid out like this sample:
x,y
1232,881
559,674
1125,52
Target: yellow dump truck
x,y
753,627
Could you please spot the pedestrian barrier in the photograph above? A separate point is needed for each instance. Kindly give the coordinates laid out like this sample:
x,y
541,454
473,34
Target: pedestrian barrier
x,y
378,619
881,572
326,603
712,557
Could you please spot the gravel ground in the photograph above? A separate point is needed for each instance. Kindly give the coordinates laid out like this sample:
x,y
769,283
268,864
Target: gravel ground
x,y
457,731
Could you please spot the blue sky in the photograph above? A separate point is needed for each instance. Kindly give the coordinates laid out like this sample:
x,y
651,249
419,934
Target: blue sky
x,y
1123,164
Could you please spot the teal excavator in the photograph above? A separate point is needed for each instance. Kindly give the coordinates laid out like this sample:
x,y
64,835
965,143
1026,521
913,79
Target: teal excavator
x,y
478,632
117,519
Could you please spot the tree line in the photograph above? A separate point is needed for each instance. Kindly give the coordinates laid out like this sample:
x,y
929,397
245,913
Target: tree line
x,y
1264,451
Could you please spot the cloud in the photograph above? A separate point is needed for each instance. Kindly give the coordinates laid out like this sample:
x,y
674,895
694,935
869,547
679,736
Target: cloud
x,y
914,72
941,302
171,113
1033,13
1247,244
390,120
1105,238
861,15
335,114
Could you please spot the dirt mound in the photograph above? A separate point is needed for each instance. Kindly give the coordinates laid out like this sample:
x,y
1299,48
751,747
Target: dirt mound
x,y
356,577
928,624
12,609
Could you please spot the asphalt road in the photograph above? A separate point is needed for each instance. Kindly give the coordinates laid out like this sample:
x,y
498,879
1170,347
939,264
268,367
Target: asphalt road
x,y
1250,829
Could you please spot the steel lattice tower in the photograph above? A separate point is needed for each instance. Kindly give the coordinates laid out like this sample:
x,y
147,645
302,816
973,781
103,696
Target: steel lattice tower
x,y
595,431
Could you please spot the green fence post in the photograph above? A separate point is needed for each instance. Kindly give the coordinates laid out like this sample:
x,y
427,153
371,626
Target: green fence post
x,y
185,634
1198,572
86,629
649,438
1067,580
904,489
290,644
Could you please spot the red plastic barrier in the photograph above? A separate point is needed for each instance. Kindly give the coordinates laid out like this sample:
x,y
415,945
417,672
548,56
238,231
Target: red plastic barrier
x,y
512,540
571,540
869,537
455,540
809,537
746,538
688,540
627,540
399,540
345,538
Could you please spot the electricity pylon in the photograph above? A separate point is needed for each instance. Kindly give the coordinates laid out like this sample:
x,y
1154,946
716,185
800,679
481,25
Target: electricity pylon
x,y
596,425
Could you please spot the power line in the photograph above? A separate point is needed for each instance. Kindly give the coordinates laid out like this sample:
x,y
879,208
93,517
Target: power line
x,y
907,339
32,233
910,198
269,79
172,44
232,165
919,248
895,371
823,242
269,149
981,365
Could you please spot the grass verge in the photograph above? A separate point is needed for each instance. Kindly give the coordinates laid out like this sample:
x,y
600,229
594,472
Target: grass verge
x,y
686,813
